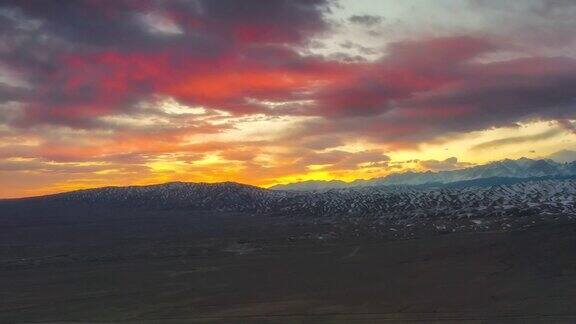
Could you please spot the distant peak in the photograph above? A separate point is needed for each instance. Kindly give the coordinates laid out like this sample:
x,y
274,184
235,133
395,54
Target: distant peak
x,y
507,168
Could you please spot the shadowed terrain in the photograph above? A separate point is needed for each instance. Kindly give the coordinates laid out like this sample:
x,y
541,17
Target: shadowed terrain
x,y
79,261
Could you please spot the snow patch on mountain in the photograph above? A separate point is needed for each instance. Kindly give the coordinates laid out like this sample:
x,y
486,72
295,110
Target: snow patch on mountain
x,y
521,168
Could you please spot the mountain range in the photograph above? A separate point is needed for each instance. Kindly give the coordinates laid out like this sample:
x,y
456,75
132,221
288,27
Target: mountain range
x,y
521,168
495,191
483,198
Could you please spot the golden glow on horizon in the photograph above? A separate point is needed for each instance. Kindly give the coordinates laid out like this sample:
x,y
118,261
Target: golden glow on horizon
x,y
215,167
462,145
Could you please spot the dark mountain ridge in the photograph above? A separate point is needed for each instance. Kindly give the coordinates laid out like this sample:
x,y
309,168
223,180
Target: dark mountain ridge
x,y
521,168
483,197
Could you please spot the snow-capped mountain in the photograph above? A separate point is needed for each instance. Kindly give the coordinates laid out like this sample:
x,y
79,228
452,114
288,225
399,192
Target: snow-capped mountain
x,y
176,195
554,196
395,211
558,196
521,168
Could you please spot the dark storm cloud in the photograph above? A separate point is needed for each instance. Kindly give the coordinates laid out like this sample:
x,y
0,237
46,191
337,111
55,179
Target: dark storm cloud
x,y
118,24
96,23
366,20
499,94
88,59
288,21
407,68
430,89
10,93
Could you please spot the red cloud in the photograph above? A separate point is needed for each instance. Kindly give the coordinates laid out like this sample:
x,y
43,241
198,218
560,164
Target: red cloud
x,y
417,92
234,59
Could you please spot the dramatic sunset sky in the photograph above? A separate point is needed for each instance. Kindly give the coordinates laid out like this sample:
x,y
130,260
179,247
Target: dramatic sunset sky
x,y
98,93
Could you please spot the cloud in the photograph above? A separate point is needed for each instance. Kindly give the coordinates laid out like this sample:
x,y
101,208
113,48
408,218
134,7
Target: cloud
x,y
418,91
42,166
517,140
342,160
534,23
9,93
568,125
88,59
563,156
424,91
365,20
445,165
120,24
322,142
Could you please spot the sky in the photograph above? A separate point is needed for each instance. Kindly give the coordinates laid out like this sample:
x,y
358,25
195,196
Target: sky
x,y
133,92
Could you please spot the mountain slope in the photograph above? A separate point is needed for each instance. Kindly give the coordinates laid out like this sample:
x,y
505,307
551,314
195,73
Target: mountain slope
x,y
175,195
530,196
